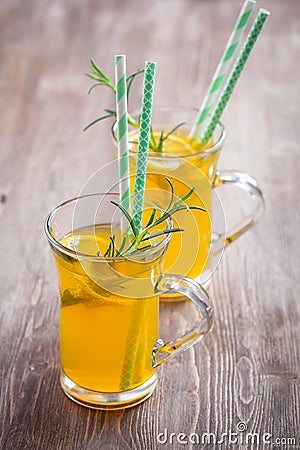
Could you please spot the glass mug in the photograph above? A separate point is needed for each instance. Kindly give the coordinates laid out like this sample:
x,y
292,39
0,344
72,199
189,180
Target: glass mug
x,y
197,252
109,306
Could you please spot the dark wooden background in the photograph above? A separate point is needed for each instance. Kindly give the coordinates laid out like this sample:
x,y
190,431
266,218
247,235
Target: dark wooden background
x,y
248,369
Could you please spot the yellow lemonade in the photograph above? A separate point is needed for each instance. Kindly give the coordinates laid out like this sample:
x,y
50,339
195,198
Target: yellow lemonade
x,y
106,336
188,251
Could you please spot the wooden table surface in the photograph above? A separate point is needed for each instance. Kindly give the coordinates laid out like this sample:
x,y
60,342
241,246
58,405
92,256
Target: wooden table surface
x,y
248,369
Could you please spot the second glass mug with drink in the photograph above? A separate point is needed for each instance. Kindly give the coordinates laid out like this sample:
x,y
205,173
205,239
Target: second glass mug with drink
x,y
189,164
109,345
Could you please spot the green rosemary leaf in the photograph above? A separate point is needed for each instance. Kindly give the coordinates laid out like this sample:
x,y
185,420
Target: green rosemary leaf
x,y
96,70
94,85
162,218
128,250
199,208
161,233
151,218
99,72
173,130
97,120
100,76
134,74
108,251
120,250
112,240
185,207
161,142
152,142
146,247
187,196
111,248
126,214
111,112
172,192
92,77
131,78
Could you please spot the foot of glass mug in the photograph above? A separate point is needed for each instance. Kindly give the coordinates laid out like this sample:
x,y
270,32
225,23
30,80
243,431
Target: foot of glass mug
x,y
107,401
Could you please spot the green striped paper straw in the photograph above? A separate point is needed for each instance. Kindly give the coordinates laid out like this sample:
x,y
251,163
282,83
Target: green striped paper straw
x,y
222,67
122,126
235,73
144,137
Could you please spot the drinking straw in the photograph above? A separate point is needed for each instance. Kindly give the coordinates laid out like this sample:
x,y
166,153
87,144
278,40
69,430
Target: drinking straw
x,y
138,310
143,144
122,127
235,73
223,67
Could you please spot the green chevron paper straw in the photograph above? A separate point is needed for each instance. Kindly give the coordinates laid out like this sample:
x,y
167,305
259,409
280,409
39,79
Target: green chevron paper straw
x,y
138,312
144,137
236,72
223,67
122,126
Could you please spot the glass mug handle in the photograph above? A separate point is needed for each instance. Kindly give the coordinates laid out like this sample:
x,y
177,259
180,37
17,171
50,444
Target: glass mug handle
x,y
244,181
165,350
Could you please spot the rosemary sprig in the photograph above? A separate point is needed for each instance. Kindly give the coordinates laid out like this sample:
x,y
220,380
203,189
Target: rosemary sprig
x,y
141,240
164,136
101,79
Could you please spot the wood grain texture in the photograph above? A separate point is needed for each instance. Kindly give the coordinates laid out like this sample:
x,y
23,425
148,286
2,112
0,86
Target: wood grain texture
x,y
248,369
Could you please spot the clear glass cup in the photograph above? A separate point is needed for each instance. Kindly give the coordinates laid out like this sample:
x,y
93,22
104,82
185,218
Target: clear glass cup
x,y
197,252
109,306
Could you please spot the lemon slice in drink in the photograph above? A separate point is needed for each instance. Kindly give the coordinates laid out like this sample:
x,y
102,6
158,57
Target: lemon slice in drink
x,y
177,145
174,145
